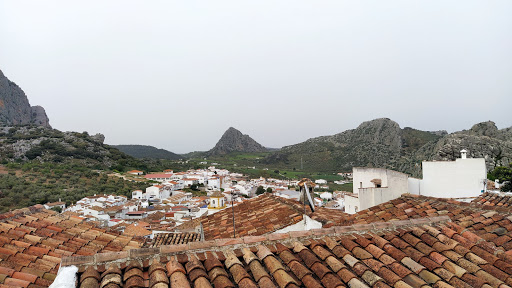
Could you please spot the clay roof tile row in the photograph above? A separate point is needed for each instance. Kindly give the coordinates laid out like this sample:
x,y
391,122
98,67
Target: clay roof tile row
x,y
33,240
416,253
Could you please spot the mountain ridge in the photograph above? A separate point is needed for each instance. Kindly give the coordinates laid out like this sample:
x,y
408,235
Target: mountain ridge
x,y
382,143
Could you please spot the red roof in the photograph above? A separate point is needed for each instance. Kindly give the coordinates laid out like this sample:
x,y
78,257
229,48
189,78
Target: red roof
x,y
135,213
160,175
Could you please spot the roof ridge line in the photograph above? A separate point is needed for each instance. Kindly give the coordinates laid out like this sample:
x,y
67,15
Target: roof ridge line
x,y
467,205
247,241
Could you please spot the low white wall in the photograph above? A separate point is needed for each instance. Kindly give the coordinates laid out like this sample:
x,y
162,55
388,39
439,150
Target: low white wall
x,y
352,204
456,179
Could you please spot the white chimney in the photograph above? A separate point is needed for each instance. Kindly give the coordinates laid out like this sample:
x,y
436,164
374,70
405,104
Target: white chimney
x,y
463,153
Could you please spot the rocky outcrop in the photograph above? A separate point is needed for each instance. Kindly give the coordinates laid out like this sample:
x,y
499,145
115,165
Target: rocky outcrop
x,y
382,143
39,117
98,137
15,108
374,143
21,143
234,141
483,140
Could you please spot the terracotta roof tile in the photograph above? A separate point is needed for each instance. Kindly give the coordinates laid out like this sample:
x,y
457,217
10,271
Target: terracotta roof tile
x,y
279,213
33,240
314,261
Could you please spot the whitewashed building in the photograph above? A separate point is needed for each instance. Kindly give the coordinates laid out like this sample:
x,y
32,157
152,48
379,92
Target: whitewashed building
x,y
373,186
462,178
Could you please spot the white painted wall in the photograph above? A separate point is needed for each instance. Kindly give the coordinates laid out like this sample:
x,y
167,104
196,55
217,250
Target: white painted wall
x,y
305,224
152,192
352,204
414,185
137,194
369,197
364,176
393,185
453,179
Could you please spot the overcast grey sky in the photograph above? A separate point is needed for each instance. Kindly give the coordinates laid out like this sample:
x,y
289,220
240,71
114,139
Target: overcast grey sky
x,y
177,74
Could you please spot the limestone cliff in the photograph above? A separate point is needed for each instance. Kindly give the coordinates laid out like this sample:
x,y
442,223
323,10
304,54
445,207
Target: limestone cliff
x,y
234,141
15,108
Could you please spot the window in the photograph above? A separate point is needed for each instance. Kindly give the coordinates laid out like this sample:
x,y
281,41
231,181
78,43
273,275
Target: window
x,y
360,184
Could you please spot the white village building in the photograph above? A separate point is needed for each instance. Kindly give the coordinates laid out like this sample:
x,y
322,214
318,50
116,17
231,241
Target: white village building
x,y
462,178
373,186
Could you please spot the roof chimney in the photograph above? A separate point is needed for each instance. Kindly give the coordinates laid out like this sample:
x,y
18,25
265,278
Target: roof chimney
x,y
463,153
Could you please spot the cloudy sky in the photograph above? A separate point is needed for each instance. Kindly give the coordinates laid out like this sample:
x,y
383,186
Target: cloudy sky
x,y
177,74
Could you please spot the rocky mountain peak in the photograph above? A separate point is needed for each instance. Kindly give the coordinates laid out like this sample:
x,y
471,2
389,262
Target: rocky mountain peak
x,y
484,129
234,141
15,108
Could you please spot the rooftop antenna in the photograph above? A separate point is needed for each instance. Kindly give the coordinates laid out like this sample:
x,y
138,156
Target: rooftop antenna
x,y
306,189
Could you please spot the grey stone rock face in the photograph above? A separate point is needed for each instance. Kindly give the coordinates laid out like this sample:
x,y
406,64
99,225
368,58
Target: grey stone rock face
x,y
39,117
15,108
483,140
98,138
234,141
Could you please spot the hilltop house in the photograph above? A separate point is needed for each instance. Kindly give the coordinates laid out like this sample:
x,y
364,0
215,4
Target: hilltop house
x,y
135,172
51,205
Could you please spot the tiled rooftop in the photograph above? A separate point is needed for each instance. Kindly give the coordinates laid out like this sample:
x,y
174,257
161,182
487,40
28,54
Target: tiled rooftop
x,y
258,216
33,240
425,252
494,200
488,224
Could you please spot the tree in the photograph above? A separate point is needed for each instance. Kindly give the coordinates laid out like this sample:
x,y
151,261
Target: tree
x,y
57,208
260,190
504,174
269,190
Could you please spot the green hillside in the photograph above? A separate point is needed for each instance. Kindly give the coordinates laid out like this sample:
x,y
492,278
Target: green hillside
x,y
146,151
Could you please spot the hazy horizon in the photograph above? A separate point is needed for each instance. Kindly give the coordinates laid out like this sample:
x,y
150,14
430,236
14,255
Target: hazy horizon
x,y
176,75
